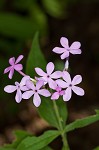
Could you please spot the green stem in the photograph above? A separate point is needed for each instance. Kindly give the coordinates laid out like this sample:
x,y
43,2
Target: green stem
x,y
63,135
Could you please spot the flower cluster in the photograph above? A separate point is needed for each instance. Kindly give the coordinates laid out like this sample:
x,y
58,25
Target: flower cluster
x,y
58,83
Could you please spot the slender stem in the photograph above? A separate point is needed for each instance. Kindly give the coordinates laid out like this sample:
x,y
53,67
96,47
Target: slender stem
x,y
63,135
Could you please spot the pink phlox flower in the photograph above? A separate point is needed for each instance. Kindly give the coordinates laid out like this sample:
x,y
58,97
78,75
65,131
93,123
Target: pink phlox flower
x,y
36,91
59,92
50,75
14,66
18,87
66,50
70,85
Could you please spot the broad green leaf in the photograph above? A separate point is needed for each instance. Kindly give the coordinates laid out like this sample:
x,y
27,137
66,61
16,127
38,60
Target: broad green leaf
x,y
16,26
54,7
35,58
5,148
79,123
37,143
46,148
46,109
97,148
20,135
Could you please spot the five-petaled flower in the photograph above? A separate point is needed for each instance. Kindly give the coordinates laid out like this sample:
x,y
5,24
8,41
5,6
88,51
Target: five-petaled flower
x,y
36,91
70,85
66,50
18,87
49,76
14,66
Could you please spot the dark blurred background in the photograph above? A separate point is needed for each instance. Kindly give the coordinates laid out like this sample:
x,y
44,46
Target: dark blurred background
x,y
74,19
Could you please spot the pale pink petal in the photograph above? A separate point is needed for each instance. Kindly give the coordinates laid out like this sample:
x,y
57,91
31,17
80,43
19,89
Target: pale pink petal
x,y
36,100
64,42
52,83
61,83
12,61
7,69
11,73
59,50
30,85
18,96
19,59
66,77
44,92
65,55
40,72
77,79
75,51
55,96
39,84
27,94
50,68
24,88
62,92
18,67
10,88
67,95
24,79
79,91
56,74
75,45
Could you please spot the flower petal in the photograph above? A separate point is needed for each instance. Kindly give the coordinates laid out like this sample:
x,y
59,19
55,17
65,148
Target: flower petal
x,y
52,83
36,100
18,67
66,77
56,75
30,85
24,88
50,68
27,94
75,51
55,96
59,50
65,55
77,79
12,61
11,73
39,84
18,96
40,72
67,95
10,88
75,45
7,69
61,83
64,42
24,79
44,92
79,91
19,59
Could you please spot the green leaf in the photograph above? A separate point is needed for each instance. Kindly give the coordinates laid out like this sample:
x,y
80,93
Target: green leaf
x,y
46,148
16,26
79,123
46,110
35,58
37,143
54,7
97,148
20,135
5,148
